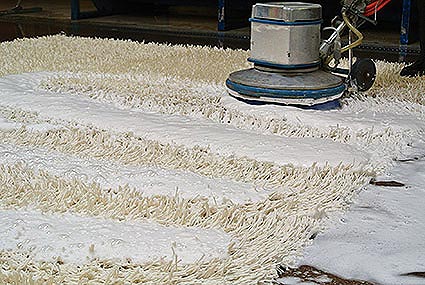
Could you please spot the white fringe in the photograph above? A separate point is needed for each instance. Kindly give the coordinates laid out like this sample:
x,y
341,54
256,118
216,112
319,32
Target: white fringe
x,y
188,81
74,54
169,95
272,231
129,149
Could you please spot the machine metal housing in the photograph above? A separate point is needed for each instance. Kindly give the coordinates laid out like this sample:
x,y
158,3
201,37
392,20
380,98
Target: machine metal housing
x,y
285,35
285,50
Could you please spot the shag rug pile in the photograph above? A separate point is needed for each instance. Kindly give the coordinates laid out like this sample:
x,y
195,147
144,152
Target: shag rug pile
x,y
125,162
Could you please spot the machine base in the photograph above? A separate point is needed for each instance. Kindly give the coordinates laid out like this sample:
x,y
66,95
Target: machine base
x,y
304,89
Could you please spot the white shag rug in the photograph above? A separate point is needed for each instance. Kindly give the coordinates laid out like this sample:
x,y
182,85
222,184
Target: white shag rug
x,y
125,162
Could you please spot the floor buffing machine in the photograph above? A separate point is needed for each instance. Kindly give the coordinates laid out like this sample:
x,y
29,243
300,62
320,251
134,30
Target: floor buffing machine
x,y
292,65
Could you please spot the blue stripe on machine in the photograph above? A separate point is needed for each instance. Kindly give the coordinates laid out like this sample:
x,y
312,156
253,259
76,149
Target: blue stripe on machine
x,y
282,23
282,66
281,93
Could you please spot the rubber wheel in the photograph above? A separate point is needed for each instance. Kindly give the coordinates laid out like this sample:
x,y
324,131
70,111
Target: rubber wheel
x,y
363,74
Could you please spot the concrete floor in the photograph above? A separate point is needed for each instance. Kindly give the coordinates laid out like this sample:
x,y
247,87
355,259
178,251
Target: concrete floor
x,y
59,10
177,26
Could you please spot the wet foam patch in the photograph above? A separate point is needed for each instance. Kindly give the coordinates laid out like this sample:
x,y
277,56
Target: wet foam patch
x,y
77,239
150,181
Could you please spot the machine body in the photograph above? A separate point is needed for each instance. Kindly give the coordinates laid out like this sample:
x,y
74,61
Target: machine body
x,y
291,62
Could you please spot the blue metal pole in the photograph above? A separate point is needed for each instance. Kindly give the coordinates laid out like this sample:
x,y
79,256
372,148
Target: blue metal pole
x,y
75,9
405,19
222,15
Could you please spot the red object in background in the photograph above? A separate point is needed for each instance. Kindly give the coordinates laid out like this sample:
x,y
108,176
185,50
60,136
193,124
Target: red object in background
x,y
377,5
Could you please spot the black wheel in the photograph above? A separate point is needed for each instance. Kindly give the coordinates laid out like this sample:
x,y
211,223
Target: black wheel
x,y
363,74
